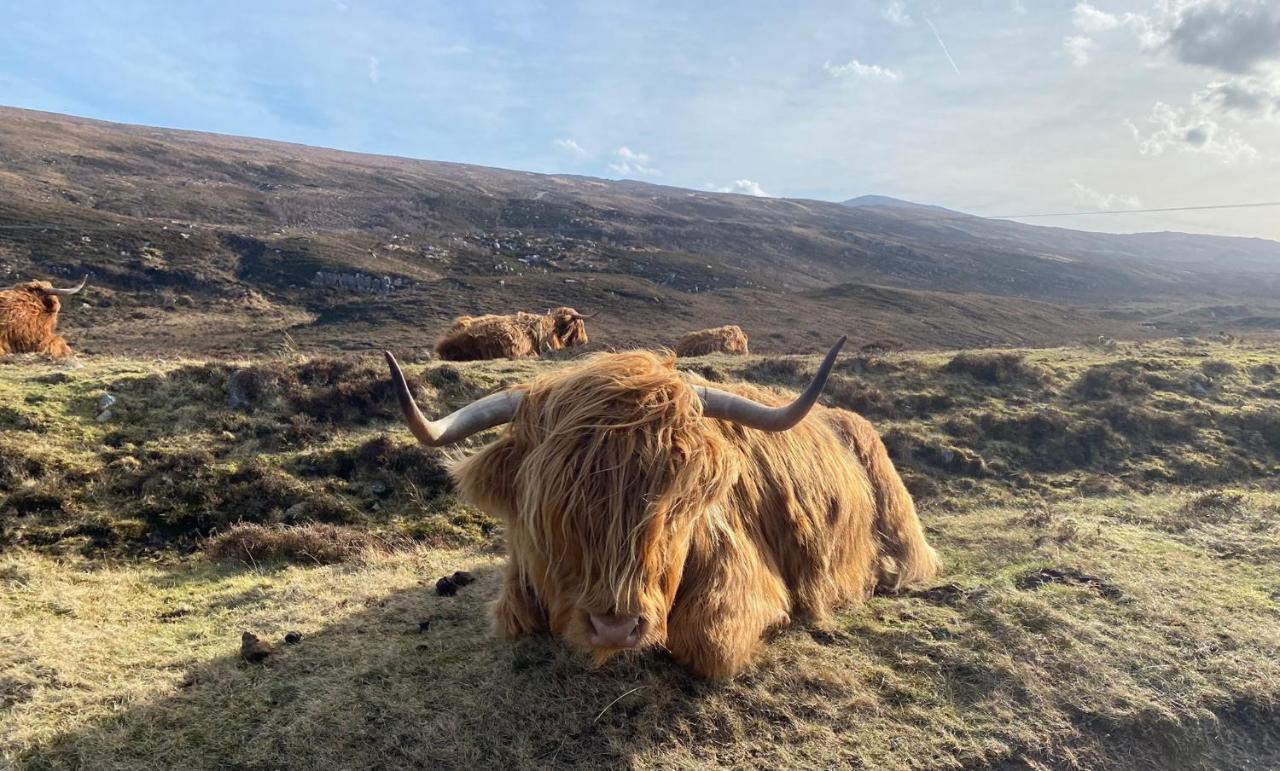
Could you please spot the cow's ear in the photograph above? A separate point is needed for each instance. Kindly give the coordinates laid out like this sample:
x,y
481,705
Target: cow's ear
x,y
51,302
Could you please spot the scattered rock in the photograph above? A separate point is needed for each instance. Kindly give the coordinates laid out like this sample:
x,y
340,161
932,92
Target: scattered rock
x,y
105,402
424,626
446,587
462,578
293,638
1038,578
105,416
254,649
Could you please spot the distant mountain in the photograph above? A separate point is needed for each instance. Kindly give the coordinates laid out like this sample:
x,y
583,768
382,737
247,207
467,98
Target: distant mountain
x,y
200,242
864,201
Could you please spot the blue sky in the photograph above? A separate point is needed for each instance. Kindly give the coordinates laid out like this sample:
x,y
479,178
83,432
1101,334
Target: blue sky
x,y
994,107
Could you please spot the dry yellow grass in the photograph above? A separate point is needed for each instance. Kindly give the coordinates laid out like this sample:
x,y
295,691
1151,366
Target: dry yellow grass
x,y
1109,521
1177,664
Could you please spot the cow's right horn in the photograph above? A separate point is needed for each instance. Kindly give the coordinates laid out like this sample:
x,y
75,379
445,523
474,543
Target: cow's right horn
x,y
492,410
71,291
753,414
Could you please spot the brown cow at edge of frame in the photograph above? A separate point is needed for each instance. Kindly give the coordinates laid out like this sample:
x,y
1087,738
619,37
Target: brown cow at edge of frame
x,y
726,339
472,338
29,316
646,508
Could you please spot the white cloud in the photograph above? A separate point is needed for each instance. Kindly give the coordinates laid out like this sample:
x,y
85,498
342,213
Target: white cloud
x,y
1088,18
375,71
632,162
1017,7
855,69
571,147
1253,97
1236,36
1078,48
741,186
1192,131
1099,200
896,13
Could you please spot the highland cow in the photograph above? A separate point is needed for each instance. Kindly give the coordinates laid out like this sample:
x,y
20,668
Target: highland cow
x,y
727,339
648,509
28,317
512,337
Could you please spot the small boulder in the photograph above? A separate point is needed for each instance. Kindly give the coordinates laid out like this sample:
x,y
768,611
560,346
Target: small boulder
x,y
462,578
293,638
446,587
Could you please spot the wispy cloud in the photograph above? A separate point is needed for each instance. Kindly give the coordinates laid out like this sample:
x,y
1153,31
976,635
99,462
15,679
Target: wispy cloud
x,y
741,186
571,147
375,70
896,13
1190,131
942,45
859,71
1078,48
632,162
1090,197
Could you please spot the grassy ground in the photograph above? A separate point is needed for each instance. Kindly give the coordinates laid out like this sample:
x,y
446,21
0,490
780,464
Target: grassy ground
x,y
1109,520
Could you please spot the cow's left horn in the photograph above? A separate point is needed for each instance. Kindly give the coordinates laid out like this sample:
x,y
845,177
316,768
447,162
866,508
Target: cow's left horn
x,y
585,315
71,291
492,410
753,414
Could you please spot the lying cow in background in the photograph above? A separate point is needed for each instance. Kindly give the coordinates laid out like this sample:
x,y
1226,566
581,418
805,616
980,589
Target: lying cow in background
x,y
727,339
512,337
28,317
646,508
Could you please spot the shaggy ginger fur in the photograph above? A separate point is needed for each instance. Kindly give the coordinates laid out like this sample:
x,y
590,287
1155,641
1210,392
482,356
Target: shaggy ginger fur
x,y
512,337
727,339
28,316
619,497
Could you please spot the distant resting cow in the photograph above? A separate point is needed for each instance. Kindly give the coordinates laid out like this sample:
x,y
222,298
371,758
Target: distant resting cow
x,y
28,317
727,339
646,508
512,337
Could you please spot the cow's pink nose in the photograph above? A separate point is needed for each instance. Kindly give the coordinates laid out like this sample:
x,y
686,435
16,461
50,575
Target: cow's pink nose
x,y
615,631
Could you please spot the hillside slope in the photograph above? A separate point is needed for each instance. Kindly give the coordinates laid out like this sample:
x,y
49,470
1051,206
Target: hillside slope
x,y
214,244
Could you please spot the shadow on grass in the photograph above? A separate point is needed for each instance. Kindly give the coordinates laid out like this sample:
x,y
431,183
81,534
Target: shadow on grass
x,y
370,690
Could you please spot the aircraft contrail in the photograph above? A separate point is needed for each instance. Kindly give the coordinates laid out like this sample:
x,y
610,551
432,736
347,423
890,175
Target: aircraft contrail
x,y
942,44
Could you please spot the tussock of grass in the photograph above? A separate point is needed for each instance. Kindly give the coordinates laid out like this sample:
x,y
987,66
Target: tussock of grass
x,y
993,367
313,543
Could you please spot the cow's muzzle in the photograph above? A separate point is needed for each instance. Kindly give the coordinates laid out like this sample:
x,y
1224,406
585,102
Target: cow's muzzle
x,y
614,631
